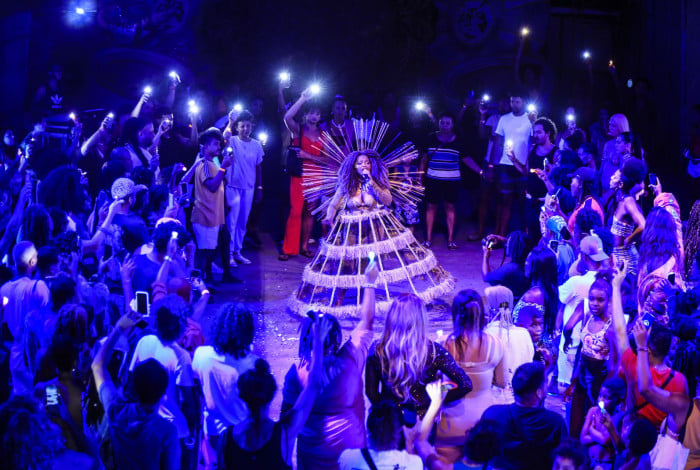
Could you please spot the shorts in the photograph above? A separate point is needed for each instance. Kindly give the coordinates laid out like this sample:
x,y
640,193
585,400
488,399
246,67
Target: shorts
x,y
206,237
437,191
510,180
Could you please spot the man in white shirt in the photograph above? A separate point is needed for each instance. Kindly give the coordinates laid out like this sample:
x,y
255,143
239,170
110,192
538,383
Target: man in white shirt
x,y
243,183
384,429
509,154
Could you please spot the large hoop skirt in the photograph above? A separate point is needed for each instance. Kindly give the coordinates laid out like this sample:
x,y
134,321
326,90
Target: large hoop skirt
x,y
332,282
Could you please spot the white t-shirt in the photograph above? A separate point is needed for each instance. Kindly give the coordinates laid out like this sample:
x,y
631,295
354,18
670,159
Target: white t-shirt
x,y
518,129
517,350
218,374
352,459
179,368
246,157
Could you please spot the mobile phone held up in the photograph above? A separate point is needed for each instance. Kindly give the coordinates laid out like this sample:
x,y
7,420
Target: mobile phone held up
x,y
51,395
653,179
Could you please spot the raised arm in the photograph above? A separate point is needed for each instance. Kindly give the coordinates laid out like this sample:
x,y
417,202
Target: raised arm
x,y
618,316
99,363
294,420
431,459
289,121
368,298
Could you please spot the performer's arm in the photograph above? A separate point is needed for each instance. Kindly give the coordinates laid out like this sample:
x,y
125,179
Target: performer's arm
x,y
334,206
382,195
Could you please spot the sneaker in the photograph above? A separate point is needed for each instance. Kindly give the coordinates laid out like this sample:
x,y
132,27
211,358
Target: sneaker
x,y
240,259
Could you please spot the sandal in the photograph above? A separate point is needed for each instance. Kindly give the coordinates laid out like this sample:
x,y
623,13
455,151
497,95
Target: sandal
x,y
307,253
283,257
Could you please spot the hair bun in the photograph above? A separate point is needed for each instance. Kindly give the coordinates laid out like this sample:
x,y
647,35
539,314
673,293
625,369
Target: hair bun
x,y
262,367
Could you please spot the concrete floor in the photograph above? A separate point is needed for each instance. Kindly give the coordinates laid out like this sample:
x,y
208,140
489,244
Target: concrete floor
x,y
269,282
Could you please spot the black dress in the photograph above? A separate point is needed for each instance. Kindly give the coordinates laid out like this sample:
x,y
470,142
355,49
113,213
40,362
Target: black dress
x,y
440,360
268,457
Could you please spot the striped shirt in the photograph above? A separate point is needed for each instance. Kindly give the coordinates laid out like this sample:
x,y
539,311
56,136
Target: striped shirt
x,y
444,157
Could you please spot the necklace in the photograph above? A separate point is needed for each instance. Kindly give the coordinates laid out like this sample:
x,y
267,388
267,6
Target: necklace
x,y
338,126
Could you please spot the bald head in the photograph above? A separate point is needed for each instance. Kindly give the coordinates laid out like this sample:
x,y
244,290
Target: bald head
x,y
24,255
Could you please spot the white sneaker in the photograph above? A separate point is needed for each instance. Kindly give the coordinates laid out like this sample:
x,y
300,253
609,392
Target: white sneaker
x,y
241,259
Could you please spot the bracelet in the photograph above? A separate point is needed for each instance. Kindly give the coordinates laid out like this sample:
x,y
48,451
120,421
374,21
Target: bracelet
x,y
641,349
369,285
205,292
167,258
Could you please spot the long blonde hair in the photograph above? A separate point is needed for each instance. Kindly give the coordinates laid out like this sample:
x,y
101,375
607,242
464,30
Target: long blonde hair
x,y
404,346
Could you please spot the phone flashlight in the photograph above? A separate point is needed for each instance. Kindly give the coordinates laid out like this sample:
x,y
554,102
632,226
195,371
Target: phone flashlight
x,y
524,32
531,108
486,98
315,88
148,90
285,77
72,116
5,301
420,106
371,255
611,63
262,137
173,235
110,115
509,143
586,55
238,107
601,405
570,118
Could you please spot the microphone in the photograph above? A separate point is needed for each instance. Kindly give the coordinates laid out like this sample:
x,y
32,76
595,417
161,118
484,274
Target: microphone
x,y
365,176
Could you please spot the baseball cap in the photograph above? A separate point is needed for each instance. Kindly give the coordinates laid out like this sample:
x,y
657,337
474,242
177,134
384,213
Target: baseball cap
x,y
592,246
584,174
123,187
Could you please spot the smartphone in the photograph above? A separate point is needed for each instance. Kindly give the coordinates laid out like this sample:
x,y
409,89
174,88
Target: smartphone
x,y
107,252
554,245
601,405
142,302
672,278
648,320
653,179
447,385
183,188
51,395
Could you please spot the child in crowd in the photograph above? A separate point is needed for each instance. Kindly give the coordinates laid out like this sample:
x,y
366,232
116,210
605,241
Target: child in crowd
x,y
595,435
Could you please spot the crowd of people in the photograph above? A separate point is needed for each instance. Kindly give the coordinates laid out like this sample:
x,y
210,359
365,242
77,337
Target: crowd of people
x,y
113,243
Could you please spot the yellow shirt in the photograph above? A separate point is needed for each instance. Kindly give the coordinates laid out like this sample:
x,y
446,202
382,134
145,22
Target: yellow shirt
x,y
208,206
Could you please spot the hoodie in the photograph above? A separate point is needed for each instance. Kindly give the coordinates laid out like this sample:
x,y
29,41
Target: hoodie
x,y
141,439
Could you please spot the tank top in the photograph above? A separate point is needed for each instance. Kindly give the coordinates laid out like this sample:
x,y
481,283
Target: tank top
x,y
594,344
268,457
